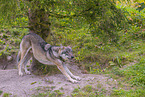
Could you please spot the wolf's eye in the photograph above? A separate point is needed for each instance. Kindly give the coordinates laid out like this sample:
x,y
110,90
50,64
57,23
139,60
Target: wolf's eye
x,y
66,53
63,52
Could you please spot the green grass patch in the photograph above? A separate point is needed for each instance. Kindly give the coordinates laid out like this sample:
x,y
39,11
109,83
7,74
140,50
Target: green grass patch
x,y
136,73
131,80
128,93
47,92
88,91
1,92
55,93
6,95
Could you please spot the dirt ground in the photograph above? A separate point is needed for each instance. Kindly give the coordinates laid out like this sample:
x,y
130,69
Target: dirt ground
x,y
26,86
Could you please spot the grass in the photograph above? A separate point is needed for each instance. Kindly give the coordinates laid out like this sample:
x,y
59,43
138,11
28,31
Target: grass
x,y
55,93
88,91
128,93
47,92
131,79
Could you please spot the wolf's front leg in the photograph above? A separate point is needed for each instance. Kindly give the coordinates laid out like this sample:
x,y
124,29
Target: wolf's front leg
x,y
20,69
76,77
61,68
68,71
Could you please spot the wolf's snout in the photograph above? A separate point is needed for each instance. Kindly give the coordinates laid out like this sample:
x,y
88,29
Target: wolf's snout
x,y
72,57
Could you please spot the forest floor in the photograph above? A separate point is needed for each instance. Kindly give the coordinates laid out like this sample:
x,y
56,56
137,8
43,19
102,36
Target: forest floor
x,y
34,85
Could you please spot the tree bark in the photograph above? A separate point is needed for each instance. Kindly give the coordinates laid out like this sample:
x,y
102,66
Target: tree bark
x,y
39,24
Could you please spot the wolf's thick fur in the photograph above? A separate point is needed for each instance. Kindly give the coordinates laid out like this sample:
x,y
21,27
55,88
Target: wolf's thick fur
x,y
32,44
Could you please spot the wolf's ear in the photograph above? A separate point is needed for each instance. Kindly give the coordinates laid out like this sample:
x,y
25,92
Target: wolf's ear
x,y
69,47
62,47
47,46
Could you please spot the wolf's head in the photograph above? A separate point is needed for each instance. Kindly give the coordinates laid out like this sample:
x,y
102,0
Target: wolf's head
x,y
66,53
62,52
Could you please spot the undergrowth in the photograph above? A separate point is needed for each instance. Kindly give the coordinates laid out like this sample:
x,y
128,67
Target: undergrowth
x,y
131,80
10,40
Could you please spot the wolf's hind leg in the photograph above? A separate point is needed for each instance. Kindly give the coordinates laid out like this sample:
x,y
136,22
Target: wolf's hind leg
x,y
27,58
23,60
20,69
20,64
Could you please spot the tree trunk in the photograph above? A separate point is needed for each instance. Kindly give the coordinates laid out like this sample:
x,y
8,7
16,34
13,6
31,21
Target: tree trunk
x,y
39,24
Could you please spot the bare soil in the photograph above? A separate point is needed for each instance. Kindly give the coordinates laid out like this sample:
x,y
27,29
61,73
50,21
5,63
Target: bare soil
x,y
28,85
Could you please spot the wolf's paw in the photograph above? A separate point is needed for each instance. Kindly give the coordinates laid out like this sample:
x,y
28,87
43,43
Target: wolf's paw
x,y
73,81
20,73
77,78
28,72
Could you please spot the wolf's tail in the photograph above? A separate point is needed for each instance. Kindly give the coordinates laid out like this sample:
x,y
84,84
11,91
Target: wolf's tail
x,y
18,57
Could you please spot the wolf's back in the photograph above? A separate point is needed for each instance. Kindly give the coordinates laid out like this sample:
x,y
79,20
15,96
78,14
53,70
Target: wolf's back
x,y
34,38
33,35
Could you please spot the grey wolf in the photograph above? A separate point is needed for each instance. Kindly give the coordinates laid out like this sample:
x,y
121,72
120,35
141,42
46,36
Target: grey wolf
x,y
33,44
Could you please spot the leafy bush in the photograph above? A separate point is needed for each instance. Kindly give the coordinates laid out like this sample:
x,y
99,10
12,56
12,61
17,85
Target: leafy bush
x,y
10,40
134,16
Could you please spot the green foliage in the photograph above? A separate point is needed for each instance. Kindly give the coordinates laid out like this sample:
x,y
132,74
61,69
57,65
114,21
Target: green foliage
x,y
12,13
10,40
101,16
105,19
5,9
141,6
134,16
